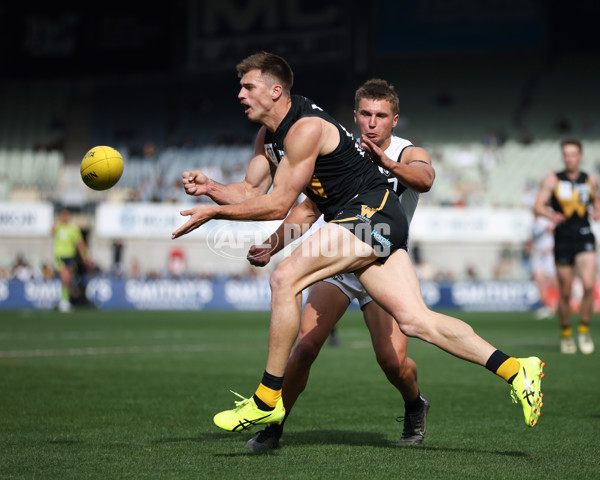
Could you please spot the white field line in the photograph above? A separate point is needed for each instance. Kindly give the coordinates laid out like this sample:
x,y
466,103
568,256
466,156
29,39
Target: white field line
x,y
75,352
91,351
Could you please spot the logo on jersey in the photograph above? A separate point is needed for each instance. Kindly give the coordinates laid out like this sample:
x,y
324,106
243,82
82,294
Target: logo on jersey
x,y
316,187
573,197
366,211
274,155
381,239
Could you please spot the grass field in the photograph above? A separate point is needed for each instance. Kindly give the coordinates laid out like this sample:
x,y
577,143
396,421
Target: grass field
x,y
109,395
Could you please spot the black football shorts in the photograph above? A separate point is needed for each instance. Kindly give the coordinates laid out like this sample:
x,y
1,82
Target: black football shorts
x,y
566,250
376,218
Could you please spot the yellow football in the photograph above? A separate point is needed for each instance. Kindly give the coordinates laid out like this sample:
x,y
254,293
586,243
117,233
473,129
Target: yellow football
x,y
101,168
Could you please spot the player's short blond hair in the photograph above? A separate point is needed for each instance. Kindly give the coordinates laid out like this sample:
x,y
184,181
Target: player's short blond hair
x,y
571,141
378,89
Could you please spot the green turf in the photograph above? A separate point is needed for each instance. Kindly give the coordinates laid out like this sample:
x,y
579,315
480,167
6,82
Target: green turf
x,y
131,395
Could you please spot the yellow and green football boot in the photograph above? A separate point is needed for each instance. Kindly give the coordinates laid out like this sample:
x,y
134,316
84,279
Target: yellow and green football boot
x,y
525,388
246,414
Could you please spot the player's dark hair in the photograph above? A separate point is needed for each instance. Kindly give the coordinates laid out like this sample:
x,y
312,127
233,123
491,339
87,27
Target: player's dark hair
x,y
268,64
571,141
378,89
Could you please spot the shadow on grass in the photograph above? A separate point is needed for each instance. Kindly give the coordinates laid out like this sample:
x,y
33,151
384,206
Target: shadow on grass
x,y
351,438
199,438
312,437
331,437
478,451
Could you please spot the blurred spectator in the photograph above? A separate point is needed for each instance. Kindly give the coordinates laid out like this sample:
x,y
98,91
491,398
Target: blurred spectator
x,y
465,158
47,271
135,270
493,138
117,251
562,124
525,137
149,150
489,160
425,270
175,193
460,201
471,273
177,263
506,266
22,270
444,276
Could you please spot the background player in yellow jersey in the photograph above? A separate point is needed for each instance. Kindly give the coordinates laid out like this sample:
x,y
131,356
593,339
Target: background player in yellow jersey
x,y
68,243
567,198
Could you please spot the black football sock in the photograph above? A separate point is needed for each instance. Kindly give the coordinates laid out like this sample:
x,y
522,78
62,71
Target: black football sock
x,y
414,406
503,365
268,392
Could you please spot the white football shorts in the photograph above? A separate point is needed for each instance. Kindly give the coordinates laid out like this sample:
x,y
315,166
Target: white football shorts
x,y
351,287
543,262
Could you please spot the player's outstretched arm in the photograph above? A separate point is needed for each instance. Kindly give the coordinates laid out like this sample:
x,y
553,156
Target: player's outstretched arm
x,y
258,180
595,211
414,168
304,143
293,227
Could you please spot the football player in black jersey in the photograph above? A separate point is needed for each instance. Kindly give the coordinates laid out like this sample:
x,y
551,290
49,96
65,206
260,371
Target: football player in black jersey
x,y
376,115
366,234
564,198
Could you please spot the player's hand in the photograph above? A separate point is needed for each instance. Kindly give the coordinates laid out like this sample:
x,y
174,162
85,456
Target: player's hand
x,y
88,263
377,154
259,255
198,216
558,218
195,183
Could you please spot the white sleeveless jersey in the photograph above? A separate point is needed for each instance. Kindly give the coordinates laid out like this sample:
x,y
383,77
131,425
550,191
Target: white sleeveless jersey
x,y
408,198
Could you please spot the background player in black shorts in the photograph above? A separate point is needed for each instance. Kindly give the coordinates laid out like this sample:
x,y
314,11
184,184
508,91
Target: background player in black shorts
x,y
567,198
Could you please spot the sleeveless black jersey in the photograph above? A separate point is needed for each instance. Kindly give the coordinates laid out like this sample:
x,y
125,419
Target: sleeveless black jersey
x,y
338,176
572,198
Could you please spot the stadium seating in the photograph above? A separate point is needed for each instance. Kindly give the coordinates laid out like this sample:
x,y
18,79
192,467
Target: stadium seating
x,y
488,126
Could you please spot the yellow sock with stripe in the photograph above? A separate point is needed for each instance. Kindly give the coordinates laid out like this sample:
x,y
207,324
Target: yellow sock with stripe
x,y
503,365
268,392
566,332
583,328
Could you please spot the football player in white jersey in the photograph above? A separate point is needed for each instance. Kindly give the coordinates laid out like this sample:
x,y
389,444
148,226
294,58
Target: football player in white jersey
x,y
376,115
